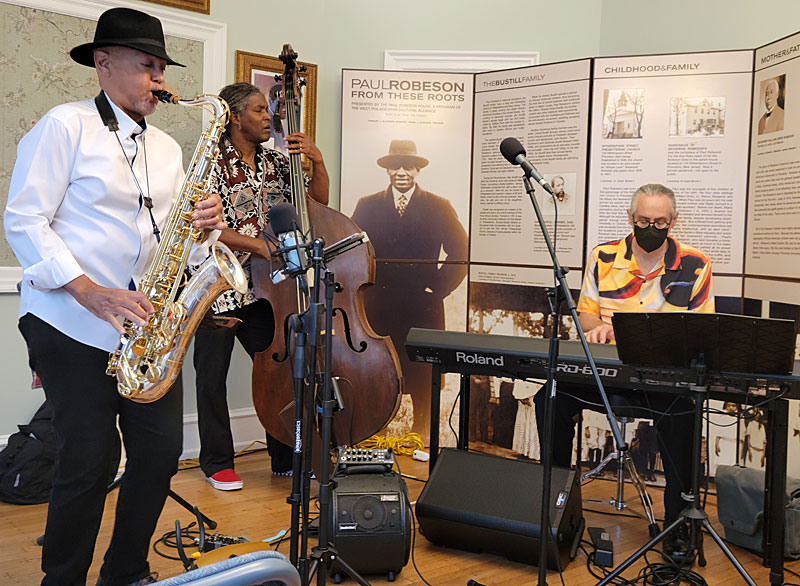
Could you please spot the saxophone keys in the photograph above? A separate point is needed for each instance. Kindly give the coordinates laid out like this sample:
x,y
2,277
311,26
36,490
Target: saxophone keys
x,y
152,373
139,347
113,363
176,254
198,193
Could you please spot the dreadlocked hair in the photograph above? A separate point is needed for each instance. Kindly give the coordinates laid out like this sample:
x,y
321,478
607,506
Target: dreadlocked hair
x,y
236,96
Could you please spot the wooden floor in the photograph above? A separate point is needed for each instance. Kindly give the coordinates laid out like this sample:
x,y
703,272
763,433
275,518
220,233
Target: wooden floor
x,y
260,511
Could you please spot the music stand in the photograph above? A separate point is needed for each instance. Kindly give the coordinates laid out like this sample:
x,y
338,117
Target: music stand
x,y
729,343
700,342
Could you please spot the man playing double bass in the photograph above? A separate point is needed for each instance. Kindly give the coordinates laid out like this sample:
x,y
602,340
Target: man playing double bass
x,y
250,179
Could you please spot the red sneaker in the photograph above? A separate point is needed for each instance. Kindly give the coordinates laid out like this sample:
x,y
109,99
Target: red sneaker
x,y
226,480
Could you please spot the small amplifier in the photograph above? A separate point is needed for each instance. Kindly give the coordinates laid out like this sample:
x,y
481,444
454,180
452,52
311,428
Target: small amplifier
x,y
370,524
363,461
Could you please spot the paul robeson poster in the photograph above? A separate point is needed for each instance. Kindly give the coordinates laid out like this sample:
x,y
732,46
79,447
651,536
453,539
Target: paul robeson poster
x,y
406,182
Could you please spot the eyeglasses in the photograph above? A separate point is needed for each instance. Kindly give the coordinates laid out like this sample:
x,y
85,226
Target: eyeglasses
x,y
644,224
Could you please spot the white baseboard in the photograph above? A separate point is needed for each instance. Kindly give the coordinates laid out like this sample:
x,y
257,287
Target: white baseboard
x,y
245,426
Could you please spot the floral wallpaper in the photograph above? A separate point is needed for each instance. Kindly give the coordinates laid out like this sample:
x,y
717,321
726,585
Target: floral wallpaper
x,y
36,73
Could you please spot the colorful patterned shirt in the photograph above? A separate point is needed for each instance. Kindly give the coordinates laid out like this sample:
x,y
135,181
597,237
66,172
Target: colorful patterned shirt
x,y
613,281
236,183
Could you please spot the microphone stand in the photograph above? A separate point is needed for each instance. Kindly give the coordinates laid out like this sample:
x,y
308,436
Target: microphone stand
x,y
308,326
561,292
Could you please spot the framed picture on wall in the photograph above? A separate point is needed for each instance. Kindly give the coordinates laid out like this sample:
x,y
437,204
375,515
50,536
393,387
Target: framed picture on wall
x,y
260,70
203,6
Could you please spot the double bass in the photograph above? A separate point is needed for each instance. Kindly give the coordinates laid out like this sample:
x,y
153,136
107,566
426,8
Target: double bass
x,y
369,375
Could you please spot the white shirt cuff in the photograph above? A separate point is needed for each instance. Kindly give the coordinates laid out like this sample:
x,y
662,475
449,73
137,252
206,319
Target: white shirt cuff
x,y
53,272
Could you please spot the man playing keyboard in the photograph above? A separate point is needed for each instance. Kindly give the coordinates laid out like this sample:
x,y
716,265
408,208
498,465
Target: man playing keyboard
x,y
645,271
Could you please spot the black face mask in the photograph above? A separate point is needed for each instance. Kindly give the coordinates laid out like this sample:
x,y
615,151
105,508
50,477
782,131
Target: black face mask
x,y
650,238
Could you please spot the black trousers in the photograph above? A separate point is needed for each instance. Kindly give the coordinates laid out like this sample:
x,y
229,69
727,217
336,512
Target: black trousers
x,y
213,346
85,406
674,430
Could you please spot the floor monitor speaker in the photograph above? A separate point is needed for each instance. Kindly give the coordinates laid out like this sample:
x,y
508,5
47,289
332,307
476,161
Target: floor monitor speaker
x,y
484,503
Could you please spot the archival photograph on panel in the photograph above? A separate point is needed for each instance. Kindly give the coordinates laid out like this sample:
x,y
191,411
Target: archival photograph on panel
x,y
697,117
405,181
623,113
773,103
502,411
564,198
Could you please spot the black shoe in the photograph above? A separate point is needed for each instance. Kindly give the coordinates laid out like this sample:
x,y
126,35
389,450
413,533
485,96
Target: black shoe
x,y
676,547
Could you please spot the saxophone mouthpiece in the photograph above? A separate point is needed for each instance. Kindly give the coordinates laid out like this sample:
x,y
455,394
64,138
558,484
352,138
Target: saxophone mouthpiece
x,y
165,96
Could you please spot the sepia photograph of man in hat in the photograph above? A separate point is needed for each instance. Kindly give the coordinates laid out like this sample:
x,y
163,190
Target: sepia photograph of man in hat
x,y
84,215
413,229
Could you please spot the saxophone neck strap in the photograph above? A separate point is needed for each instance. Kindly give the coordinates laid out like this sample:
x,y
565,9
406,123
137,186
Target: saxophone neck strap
x,y
106,112
110,121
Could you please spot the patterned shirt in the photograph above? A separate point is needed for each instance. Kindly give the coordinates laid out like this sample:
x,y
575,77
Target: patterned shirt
x,y
613,281
236,183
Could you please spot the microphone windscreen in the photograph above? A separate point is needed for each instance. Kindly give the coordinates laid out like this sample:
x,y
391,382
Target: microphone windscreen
x,y
511,148
283,218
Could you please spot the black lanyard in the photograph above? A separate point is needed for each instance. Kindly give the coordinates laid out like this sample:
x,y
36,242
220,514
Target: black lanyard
x,y
110,121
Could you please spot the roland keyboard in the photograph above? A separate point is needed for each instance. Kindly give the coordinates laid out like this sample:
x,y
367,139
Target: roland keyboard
x,y
527,358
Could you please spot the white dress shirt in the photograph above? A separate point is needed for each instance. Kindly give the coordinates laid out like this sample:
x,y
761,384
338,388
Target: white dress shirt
x,y
74,208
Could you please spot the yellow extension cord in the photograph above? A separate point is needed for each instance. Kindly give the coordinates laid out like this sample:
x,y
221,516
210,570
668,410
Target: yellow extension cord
x,y
400,445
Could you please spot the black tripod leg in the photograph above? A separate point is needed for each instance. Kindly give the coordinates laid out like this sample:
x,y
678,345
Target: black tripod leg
x,y
727,552
640,552
210,523
324,558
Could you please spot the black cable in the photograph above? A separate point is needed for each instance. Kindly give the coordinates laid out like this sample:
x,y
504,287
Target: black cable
x,y
652,574
638,408
413,528
665,413
744,412
450,417
418,479
189,538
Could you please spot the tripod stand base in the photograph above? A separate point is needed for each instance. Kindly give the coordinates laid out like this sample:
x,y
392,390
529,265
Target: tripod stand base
x,y
327,557
699,519
624,462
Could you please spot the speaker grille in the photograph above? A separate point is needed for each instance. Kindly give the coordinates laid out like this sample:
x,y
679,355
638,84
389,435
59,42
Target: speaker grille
x,y
367,510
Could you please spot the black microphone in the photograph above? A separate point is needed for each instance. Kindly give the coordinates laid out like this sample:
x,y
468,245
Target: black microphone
x,y
292,244
515,154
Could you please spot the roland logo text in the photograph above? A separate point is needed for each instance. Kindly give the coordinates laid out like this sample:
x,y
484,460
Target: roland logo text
x,y
478,359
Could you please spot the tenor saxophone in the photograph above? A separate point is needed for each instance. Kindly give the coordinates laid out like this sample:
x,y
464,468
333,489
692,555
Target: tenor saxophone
x,y
149,357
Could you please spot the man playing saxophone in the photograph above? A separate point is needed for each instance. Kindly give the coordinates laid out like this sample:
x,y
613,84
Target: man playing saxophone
x,y
84,214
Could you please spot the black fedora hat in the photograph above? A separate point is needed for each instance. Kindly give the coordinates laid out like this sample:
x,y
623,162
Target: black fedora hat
x,y
402,152
125,27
